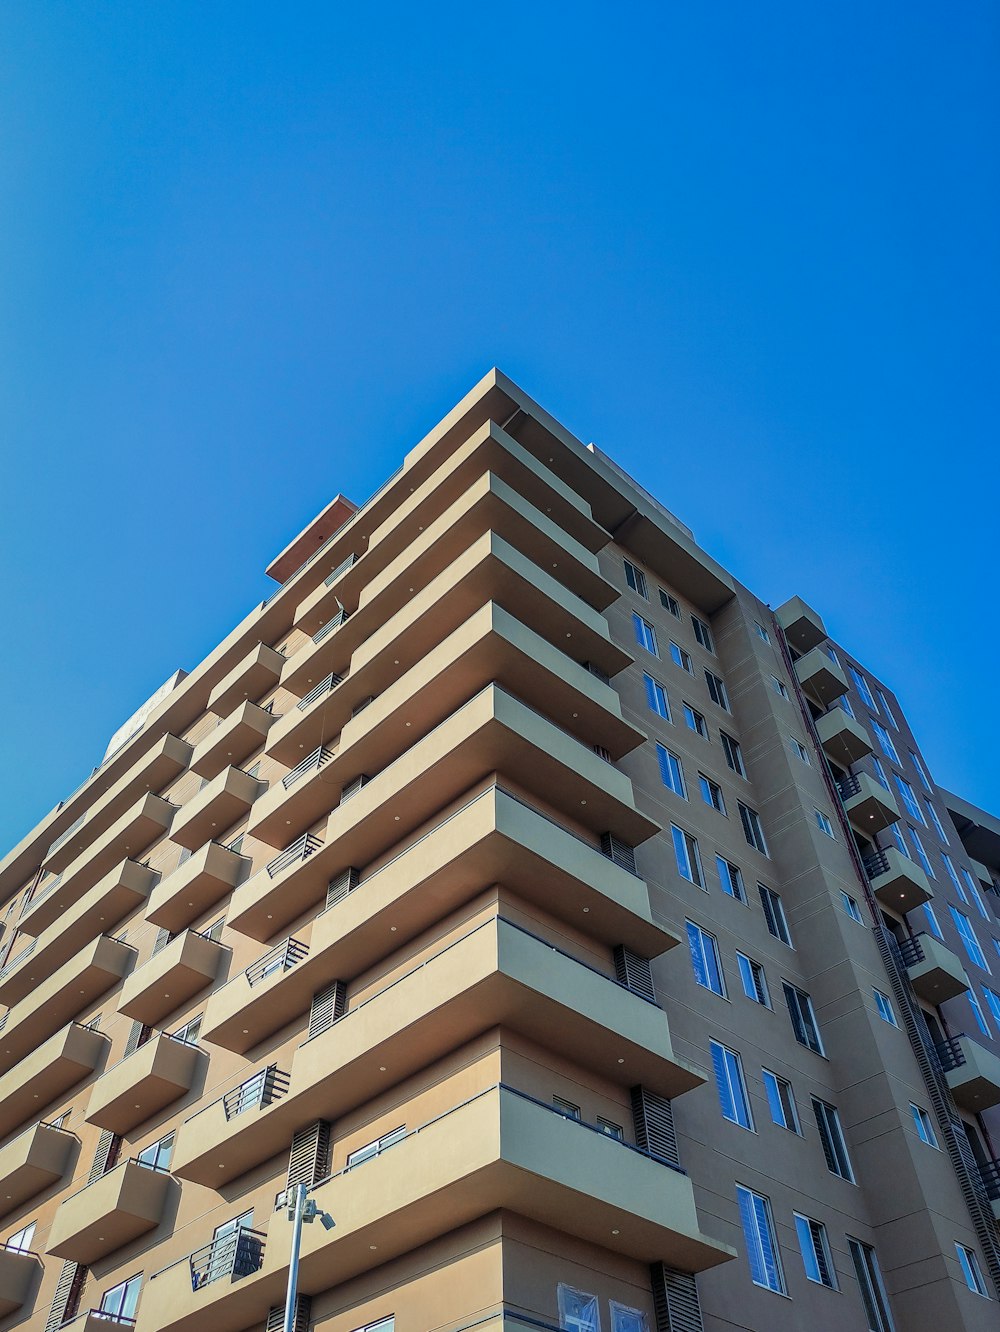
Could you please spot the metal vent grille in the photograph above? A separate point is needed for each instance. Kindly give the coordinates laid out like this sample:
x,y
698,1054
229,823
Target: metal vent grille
x,y
328,1004
675,1300
634,972
653,1119
300,1323
341,884
309,1159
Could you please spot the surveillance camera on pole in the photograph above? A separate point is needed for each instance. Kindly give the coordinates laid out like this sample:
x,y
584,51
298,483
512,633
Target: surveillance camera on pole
x,y
299,1208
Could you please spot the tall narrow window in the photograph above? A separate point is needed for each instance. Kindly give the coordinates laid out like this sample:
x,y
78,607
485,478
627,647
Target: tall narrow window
x,y
932,921
753,829
968,936
975,894
705,959
879,771
779,687
924,1127
669,603
977,1012
803,1016
645,634
731,1085
993,1002
925,781
774,914
760,1239
656,697
702,633
969,1264
884,1005
711,793
823,823
851,907
862,686
873,1295
671,772
761,632
753,979
909,799
887,711
885,742
717,690
636,579
936,822
688,856
680,658
815,1246
781,1102
831,1135
695,721
950,871
921,854
731,879
733,752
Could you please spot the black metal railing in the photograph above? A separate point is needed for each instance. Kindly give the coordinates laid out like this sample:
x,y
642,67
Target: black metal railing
x,y
300,849
848,786
990,1171
265,1087
329,627
315,760
911,951
232,1256
281,958
950,1053
325,685
876,864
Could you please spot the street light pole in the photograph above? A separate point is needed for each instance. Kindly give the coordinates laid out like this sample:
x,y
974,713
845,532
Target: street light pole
x,y
296,1209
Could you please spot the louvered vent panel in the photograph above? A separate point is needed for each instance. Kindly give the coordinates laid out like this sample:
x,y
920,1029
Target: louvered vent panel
x,y
353,787
675,1300
139,1035
300,1323
634,971
617,850
109,1148
653,1119
66,1300
309,1159
328,1005
343,883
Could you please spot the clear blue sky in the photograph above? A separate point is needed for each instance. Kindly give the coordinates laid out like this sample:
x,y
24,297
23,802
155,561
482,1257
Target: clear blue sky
x,y
249,253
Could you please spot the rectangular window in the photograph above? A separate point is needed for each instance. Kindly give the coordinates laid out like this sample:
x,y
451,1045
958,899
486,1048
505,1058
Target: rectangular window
x,y
20,1241
671,772
371,1149
803,1016
157,1155
885,742
752,828
975,894
924,1127
844,703
695,721
936,822
566,1108
909,799
879,772
190,1032
734,754
645,634
890,718
932,921
918,847
779,687
656,697
636,579
816,1255
717,690
688,856
731,1085
702,633
120,1301
781,1101
731,879
760,1239
799,750
977,1012
900,840
754,980
705,959
851,907
831,1136
993,1002
612,1130
861,685
925,781
578,1310
969,1264
774,914
762,633
873,1295
884,1005
669,603
968,935
823,823
680,658
711,793
950,871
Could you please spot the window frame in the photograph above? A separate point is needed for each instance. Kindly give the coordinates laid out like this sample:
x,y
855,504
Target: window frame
x,y
731,1085
671,770
802,1015
696,936
761,1239
692,856
820,1257
635,579
656,690
787,1104
754,980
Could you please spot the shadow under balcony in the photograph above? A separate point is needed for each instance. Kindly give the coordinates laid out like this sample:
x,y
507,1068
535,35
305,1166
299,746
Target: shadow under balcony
x,y
869,807
804,627
971,1071
20,1272
33,1161
115,1209
820,676
236,737
216,807
145,1082
896,881
171,977
48,1072
252,676
197,883
935,972
843,738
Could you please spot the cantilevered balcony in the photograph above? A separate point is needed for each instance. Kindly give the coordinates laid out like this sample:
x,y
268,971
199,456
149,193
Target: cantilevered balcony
x,y
896,881
971,1071
843,738
804,627
151,772
48,1072
129,1201
490,646
990,1173
171,977
216,807
20,1272
97,912
498,974
145,1082
494,838
132,834
493,732
250,678
236,737
33,1161
821,677
498,1150
63,995
869,806
196,885
935,972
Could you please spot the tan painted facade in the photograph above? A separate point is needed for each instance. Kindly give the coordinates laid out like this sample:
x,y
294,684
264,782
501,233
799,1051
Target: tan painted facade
x,y
518,881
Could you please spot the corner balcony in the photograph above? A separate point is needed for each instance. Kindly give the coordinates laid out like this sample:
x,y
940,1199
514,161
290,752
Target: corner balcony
x,y
897,882
499,1150
381,636
990,1172
147,821
119,1207
32,1162
804,627
20,1271
216,807
251,677
170,978
48,1072
97,912
935,972
492,733
195,885
62,996
821,677
491,646
236,737
843,738
494,838
971,1071
496,975
869,807
145,1082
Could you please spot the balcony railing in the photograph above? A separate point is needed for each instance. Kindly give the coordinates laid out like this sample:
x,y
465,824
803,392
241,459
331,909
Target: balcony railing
x,y
16,961
950,1053
281,958
37,895
236,1255
300,849
328,683
848,786
265,1087
315,760
65,836
329,627
105,1316
876,864
341,568
911,951
990,1171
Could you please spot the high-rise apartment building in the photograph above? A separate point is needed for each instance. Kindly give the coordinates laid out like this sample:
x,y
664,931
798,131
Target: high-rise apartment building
x,y
591,940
